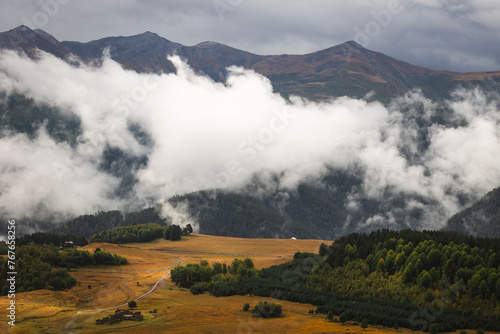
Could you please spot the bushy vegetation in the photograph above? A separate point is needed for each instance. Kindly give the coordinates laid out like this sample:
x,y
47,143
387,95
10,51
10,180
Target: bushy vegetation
x,y
203,277
141,233
40,267
267,310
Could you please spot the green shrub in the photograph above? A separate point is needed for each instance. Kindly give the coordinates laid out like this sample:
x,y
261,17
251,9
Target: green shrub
x,y
267,310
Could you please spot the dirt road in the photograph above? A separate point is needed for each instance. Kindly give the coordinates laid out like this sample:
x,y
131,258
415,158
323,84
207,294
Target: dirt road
x,y
70,330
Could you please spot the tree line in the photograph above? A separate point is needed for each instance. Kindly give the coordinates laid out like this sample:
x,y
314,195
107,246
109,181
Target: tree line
x,y
46,238
89,225
142,233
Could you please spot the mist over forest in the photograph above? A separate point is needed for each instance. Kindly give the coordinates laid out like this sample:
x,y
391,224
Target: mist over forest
x,y
90,137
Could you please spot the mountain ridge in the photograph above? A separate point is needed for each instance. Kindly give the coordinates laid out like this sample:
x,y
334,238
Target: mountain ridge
x,y
481,219
310,212
347,69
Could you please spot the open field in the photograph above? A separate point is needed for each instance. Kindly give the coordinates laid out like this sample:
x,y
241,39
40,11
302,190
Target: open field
x,y
76,310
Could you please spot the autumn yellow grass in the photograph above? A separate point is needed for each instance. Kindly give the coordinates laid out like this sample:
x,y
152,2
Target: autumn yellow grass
x,y
101,289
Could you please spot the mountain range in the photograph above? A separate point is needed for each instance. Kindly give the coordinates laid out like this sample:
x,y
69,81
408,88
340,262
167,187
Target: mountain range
x,y
347,69
311,211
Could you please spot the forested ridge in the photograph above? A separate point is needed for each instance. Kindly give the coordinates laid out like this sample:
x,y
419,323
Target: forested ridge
x,y
480,219
308,214
44,239
403,278
88,225
456,274
21,114
141,233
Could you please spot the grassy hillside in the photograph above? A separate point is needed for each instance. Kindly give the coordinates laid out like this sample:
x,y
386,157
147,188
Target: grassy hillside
x,y
177,309
50,311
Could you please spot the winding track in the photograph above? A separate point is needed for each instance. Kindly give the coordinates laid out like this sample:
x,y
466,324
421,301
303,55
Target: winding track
x,y
68,328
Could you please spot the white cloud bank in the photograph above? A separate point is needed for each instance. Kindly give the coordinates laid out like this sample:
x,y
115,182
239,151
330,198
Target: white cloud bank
x,y
209,135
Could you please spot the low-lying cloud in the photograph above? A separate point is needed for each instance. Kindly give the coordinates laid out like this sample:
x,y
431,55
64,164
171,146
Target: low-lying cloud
x,y
199,134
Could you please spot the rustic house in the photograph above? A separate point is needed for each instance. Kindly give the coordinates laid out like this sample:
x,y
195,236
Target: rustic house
x,y
119,316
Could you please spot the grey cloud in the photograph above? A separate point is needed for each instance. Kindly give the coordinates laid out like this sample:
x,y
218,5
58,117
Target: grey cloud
x,y
443,35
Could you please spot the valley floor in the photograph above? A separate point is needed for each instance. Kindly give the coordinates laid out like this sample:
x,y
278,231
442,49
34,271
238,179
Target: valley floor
x,y
101,290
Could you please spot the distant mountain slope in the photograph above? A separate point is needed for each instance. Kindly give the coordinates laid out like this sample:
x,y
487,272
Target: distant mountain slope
x,y
344,70
27,40
143,53
349,69
482,219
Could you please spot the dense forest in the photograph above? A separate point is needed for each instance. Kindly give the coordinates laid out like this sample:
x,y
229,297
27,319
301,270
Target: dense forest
x,y
142,233
45,239
41,238
21,114
441,270
407,278
88,225
45,267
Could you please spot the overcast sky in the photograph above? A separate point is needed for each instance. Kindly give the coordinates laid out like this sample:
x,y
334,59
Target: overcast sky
x,y
459,35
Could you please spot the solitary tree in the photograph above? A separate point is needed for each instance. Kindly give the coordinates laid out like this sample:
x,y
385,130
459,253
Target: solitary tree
x,y
246,307
329,316
364,324
343,318
132,304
